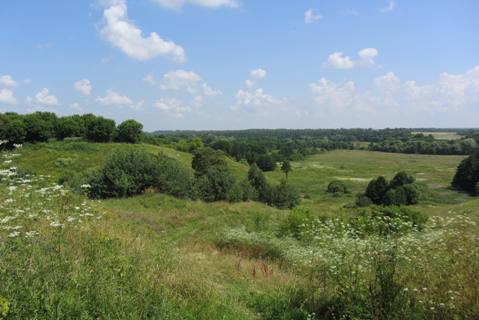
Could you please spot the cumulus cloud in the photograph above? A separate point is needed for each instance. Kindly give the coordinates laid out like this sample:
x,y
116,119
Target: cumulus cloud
x,y
390,7
122,33
172,107
449,92
338,60
254,98
7,81
83,86
7,97
113,98
179,79
178,4
310,16
366,56
183,81
45,99
259,73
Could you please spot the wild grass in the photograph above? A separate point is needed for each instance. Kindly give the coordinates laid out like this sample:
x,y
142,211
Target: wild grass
x,y
155,256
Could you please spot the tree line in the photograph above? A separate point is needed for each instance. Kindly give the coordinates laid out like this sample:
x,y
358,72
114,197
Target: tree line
x,y
42,126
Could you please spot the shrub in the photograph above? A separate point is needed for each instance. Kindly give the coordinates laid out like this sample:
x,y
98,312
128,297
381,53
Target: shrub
x,y
395,197
205,158
99,129
363,200
285,196
215,184
257,179
125,173
129,131
14,132
173,178
401,178
337,187
266,162
291,226
376,190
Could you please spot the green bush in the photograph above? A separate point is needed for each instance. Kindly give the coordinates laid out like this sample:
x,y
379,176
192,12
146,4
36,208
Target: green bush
x,y
363,200
173,178
129,131
292,225
285,196
125,173
337,187
215,184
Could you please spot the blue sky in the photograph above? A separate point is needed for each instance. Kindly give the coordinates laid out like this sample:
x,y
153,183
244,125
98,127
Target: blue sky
x,y
230,64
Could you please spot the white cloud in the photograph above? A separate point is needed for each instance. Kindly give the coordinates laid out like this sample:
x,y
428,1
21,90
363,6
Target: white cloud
x,y
184,82
210,92
390,7
339,60
7,81
310,16
258,74
254,98
83,86
177,4
113,98
173,107
367,56
7,97
45,99
449,93
120,32
179,79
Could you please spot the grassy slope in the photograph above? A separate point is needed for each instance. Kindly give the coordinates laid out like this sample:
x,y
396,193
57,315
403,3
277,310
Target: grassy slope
x,y
190,228
67,157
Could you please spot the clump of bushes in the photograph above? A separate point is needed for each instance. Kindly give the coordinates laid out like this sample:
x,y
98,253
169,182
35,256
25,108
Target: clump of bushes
x,y
337,188
399,191
130,172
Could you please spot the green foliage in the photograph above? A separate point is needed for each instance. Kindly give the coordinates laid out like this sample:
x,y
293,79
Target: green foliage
x,y
376,190
39,126
400,191
286,168
129,131
215,184
204,159
14,132
337,187
467,175
266,162
401,178
173,178
99,129
294,222
257,179
363,200
125,173
4,307
285,196
71,126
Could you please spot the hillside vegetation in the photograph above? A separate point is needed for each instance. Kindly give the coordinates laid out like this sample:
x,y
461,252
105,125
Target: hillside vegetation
x,y
67,257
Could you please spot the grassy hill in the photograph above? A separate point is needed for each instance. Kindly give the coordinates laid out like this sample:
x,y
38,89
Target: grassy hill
x,y
154,256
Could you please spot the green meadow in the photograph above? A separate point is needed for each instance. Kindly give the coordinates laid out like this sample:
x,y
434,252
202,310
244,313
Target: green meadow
x,y
154,256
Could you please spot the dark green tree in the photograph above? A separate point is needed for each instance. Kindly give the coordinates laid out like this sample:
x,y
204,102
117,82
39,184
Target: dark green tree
x,y
99,129
376,190
285,196
401,178
266,162
467,175
205,158
215,184
286,168
129,131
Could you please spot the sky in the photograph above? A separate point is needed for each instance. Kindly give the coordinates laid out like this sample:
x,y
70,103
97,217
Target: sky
x,y
237,64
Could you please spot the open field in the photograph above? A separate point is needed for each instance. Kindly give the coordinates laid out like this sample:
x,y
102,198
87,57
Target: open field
x,y
195,260
442,135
